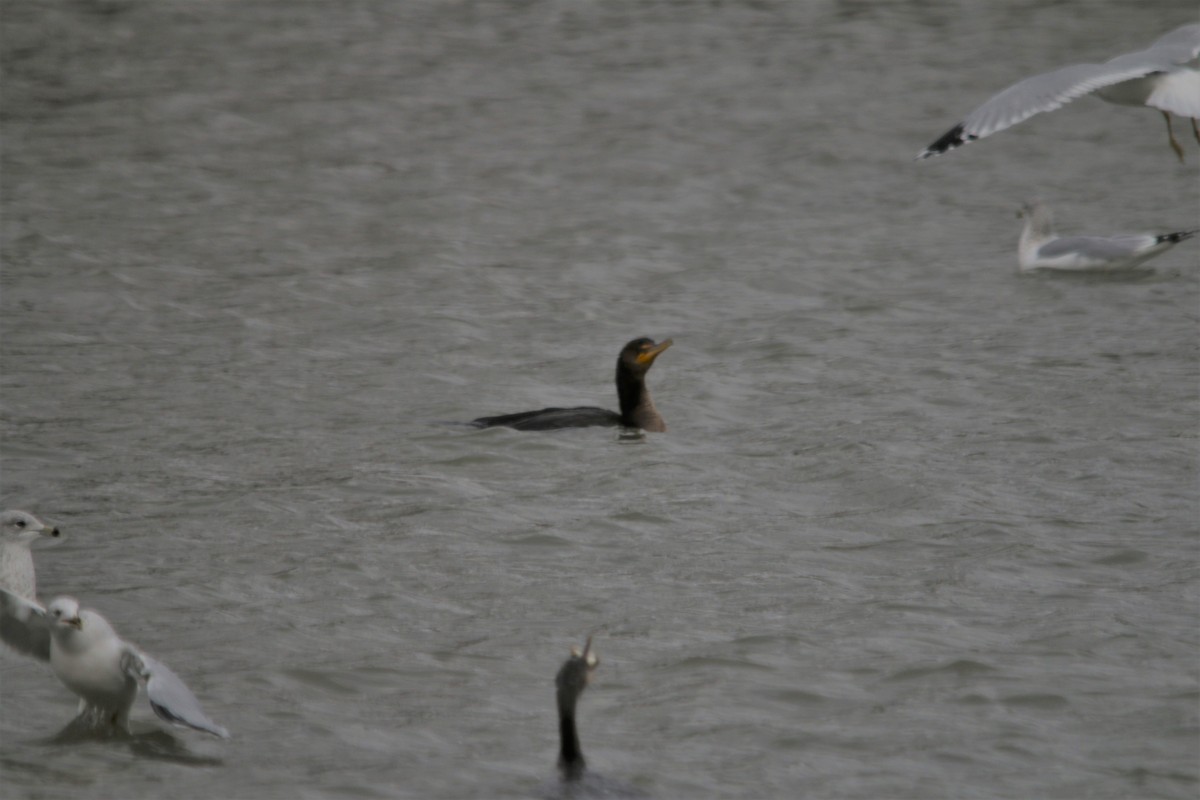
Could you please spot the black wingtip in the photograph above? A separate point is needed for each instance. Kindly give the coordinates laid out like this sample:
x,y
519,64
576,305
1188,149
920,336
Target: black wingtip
x,y
951,139
1175,238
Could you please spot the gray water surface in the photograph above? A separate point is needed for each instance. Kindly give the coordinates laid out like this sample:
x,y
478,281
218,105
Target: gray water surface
x,y
920,528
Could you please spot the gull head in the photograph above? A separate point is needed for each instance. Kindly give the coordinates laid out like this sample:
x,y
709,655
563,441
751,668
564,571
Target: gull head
x,y
21,526
1039,218
1035,207
65,611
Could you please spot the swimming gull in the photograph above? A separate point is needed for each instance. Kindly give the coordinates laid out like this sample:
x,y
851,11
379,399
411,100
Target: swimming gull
x,y
19,529
1163,76
93,662
1040,248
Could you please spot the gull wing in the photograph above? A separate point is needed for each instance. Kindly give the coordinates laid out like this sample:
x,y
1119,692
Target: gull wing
x,y
1022,100
1097,249
1050,90
170,698
1179,46
24,626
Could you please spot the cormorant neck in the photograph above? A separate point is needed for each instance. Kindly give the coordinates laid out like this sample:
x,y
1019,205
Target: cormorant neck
x,y
637,407
570,755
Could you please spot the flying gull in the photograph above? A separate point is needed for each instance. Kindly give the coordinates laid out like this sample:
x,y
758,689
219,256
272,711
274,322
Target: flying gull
x,y
1163,76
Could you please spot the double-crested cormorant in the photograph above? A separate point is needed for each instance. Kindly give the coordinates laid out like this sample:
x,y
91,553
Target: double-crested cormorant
x,y
637,407
571,680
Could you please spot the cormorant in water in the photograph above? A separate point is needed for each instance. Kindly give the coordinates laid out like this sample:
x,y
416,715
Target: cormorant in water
x,y
571,680
577,781
637,407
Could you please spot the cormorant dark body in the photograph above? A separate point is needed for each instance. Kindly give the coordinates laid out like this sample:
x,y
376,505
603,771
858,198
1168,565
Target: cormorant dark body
x,y
637,407
549,419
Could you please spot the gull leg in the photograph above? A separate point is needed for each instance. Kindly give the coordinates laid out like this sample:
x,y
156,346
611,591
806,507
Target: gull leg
x,y
1195,130
1171,136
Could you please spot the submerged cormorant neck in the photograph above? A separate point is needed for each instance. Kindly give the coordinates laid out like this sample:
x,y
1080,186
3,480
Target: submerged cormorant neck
x,y
570,756
570,682
637,407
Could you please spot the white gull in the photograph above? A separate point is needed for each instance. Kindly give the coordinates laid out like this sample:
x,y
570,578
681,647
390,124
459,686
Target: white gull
x,y
93,662
18,530
1041,248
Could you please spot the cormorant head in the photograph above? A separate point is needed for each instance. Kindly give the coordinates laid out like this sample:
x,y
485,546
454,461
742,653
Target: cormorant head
x,y
639,354
574,675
